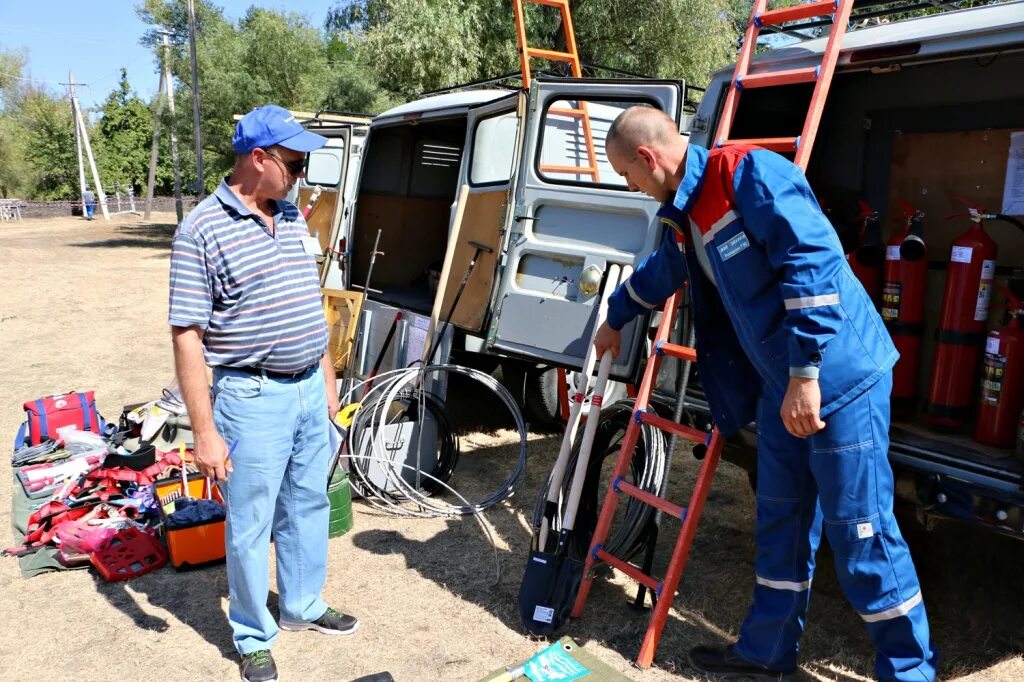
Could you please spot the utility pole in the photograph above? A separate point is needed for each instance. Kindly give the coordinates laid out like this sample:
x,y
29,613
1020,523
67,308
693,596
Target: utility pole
x,y
166,89
76,110
78,145
195,96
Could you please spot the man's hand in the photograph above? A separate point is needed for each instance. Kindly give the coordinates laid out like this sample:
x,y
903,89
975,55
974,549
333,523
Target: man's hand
x,y
801,406
332,404
607,339
211,456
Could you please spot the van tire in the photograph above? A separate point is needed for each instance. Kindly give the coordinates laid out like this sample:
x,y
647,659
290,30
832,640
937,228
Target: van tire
x,y
536,389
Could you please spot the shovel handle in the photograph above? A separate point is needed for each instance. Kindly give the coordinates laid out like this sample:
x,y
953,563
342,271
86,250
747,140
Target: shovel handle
x,y
589,360
587,444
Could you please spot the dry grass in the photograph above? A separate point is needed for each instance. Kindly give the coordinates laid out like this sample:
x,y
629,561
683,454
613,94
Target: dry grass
x,y
83,306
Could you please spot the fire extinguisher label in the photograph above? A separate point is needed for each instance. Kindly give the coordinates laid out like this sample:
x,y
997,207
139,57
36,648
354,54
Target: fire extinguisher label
x,y
961,254
992,345
988,269
981,309
892,292
992,379
892,253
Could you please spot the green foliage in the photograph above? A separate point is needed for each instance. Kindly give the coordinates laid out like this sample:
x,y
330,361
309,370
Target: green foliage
x,y
50,142
122,139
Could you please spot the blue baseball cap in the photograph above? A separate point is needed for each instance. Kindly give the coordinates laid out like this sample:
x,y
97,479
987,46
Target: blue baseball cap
x,y
271,125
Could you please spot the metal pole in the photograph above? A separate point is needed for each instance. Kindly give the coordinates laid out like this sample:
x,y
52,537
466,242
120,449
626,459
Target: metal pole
x,y
154,149
88,151
175,160
195,96
78,143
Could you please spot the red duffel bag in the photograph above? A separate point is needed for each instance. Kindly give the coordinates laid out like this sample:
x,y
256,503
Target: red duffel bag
x,y
49,417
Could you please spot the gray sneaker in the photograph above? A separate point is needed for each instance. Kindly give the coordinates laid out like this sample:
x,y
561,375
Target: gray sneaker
x,y
331,623
258,666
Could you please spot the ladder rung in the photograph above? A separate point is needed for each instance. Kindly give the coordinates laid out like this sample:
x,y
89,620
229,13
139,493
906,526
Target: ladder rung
x,y
775,144
661,503
576,113
632,571
681,430
552,55
549,3
579,170
674,350
772,78
783,14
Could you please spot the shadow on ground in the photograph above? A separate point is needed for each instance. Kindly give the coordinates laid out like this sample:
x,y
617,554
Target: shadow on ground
x,y
970,580
148,236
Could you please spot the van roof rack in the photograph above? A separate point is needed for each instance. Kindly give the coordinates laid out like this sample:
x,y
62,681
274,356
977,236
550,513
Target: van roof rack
x,y
870,9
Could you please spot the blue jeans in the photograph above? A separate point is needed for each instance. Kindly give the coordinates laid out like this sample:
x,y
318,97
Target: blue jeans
x,y
90,209
279,481
839,482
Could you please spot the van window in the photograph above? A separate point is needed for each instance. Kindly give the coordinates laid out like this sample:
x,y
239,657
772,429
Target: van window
x,y
494,145
565,157
324,165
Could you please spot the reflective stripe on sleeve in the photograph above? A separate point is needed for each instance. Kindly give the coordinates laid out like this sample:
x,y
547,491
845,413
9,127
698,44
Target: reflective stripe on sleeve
x,y
811,301
784,584
632,295
895,612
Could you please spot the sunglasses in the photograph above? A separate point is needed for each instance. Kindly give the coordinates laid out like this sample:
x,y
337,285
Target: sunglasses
x,y
293,167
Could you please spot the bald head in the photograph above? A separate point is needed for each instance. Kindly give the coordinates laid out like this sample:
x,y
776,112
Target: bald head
x,y
644,147
642,125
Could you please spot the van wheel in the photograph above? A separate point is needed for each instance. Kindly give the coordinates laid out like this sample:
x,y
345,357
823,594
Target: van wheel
x,y
537,386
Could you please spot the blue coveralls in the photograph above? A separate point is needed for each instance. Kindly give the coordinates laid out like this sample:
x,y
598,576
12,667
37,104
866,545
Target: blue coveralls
x,y
784,303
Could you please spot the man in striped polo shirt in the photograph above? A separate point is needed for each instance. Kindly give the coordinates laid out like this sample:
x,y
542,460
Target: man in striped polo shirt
x,y
245,300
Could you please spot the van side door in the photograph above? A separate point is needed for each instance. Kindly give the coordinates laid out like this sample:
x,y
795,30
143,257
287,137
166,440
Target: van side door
x,y
490,154
573,212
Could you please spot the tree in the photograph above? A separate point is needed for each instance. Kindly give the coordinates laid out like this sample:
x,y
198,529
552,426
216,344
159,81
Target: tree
x,y
123,136
417,45
14,169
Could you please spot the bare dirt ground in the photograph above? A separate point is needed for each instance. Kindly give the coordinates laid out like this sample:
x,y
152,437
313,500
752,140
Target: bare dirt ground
x,y
83,306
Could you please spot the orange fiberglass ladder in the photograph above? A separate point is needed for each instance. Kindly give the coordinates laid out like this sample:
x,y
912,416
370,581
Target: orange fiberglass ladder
x,y
664,590
572,58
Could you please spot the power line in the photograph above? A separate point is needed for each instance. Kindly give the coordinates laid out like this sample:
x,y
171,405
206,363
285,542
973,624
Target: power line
x,y
30,80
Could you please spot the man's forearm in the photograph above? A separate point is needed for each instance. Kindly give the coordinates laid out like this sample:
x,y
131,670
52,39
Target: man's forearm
x,y
330,377
190,367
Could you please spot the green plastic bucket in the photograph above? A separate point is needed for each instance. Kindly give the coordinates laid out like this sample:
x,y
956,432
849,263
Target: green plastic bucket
x,y
340,495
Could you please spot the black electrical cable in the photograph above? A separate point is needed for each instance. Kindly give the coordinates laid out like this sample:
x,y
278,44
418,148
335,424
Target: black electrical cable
x,y
647,471
408,410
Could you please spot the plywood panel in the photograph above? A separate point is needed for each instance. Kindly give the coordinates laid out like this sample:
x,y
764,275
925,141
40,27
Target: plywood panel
x,y
341,310
929,169
320,217
414,235
481,223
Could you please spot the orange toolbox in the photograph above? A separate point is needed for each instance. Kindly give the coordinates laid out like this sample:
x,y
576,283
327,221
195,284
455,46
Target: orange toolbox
x,y
194,545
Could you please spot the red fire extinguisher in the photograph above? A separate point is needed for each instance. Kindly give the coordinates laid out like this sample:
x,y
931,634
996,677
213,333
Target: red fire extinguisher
x,y
906,275
1002,384
961,331
867,261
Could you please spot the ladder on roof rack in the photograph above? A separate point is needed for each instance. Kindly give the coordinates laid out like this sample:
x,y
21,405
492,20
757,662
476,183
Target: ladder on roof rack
x,y
572,58
820,75
707,446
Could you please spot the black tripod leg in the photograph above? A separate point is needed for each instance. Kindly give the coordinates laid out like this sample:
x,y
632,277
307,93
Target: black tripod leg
x,y
651,542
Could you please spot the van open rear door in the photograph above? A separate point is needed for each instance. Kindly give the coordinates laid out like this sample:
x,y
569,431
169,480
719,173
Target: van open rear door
x,y
324,181
572,215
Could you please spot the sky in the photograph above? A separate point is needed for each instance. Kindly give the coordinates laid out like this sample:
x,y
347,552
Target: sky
x,y
95,39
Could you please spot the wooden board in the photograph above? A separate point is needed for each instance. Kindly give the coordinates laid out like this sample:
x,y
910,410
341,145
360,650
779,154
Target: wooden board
x,y
320,217
929,169
481,223
413,238
341,309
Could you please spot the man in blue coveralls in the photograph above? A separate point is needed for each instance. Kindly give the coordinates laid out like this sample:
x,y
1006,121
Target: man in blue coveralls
x,y
786,335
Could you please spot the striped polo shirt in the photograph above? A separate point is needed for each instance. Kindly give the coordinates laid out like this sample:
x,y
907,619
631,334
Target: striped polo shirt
x,y
254,291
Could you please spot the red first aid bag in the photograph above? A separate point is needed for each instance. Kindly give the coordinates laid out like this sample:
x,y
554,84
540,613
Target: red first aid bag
x,y
50,416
